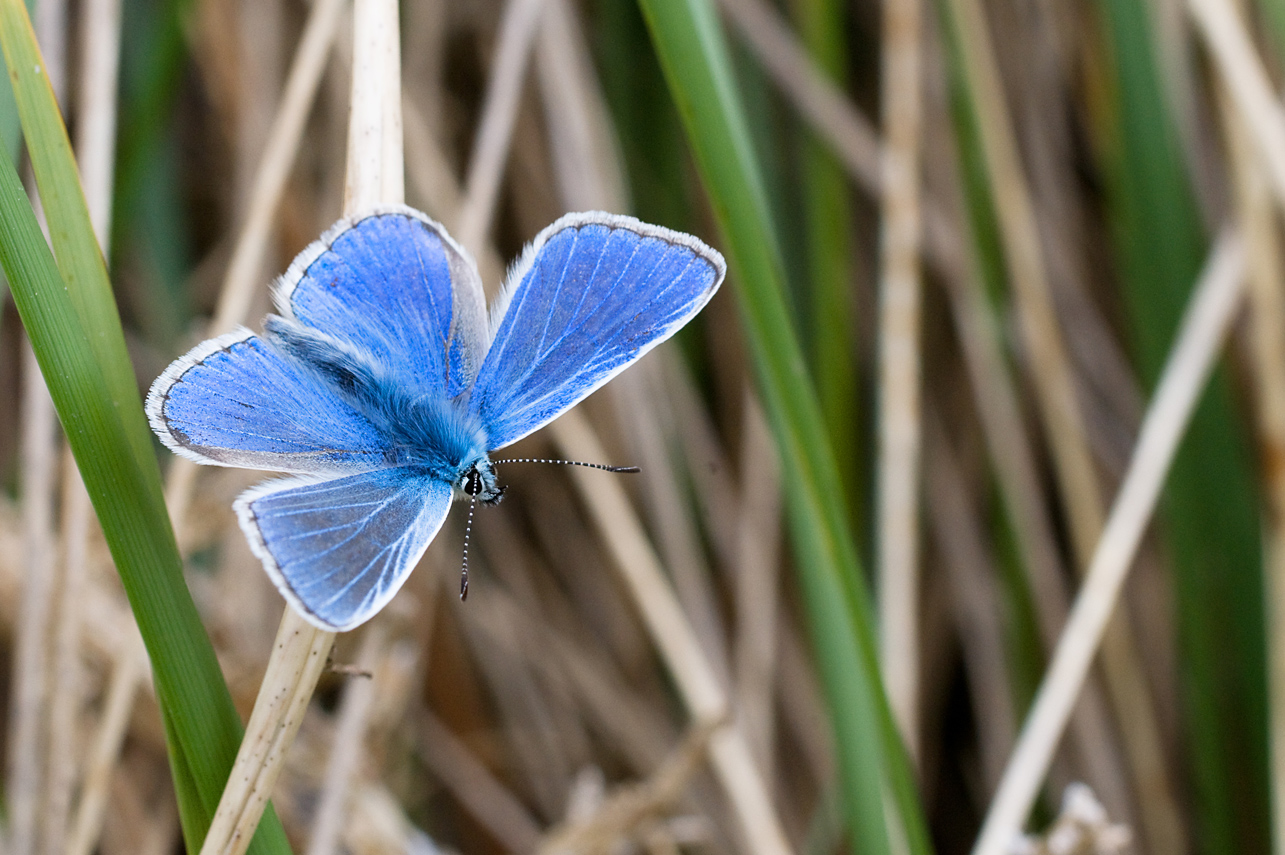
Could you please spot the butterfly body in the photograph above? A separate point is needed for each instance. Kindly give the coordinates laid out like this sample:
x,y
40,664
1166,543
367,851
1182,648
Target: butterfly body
x,y
427,435
382,387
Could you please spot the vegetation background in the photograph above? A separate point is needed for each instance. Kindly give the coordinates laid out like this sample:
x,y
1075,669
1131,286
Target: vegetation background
x,y
982,259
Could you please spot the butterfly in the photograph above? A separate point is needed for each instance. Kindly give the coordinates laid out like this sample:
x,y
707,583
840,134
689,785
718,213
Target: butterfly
x,y
382,384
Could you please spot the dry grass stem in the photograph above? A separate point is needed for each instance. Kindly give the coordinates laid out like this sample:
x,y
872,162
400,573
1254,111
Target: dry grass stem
x,y
899,365
1042,336
1013,459
298,658
279,153
96,118
374,176
1197,345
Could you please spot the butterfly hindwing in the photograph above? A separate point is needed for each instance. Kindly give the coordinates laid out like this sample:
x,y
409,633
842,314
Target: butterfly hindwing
x,y
238,401
593,293
395,285
340,549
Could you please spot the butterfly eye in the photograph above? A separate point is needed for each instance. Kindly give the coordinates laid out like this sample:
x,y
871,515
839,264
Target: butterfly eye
x,y
473,483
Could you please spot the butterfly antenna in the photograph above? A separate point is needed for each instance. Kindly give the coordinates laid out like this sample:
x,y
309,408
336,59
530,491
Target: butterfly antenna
x,y
604,467
468,530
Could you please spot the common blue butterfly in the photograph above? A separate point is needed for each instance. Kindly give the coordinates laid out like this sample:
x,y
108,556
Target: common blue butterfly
x,y
382,384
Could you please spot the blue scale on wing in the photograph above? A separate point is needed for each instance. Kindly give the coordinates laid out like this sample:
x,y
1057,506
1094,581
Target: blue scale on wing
x,y
595,298
384,286
343,548
246,404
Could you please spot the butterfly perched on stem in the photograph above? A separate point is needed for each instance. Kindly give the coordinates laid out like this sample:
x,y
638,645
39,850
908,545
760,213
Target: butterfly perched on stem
x,y
382,384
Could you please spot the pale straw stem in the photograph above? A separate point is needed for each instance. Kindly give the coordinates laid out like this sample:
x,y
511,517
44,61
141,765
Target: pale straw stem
x,y
298,657
1191,360
279,153
374,176
499,111
28,773
96,121
899,366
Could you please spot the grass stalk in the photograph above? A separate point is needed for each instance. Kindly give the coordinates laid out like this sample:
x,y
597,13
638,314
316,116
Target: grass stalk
x,y
374,175
899,365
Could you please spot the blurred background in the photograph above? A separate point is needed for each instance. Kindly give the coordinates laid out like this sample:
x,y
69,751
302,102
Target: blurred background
x,y
983,339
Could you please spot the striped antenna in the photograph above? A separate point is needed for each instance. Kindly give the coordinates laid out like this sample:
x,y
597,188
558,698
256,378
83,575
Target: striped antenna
x,y
468,530
604,467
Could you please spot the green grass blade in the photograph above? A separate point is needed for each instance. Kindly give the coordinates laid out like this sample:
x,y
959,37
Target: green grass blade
x,y
829,244
70,316
1211,517
688,39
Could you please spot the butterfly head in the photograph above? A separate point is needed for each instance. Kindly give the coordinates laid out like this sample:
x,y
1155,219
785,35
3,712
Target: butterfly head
x,y
478,483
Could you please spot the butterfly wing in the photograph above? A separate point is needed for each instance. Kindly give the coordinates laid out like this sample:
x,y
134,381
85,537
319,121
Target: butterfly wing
x,y
394,284
339,550
593,293
238,401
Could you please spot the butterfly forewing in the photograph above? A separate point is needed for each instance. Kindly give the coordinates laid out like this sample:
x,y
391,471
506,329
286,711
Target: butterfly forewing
x,y
340,549
393,284
598,292
237,401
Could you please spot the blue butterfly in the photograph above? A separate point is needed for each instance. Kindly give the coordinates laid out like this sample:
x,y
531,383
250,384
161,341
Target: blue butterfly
x,y
383,385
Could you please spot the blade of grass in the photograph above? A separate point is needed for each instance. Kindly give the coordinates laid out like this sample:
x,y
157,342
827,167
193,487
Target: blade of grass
x,y
829,249
126,496
689,41
72,321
